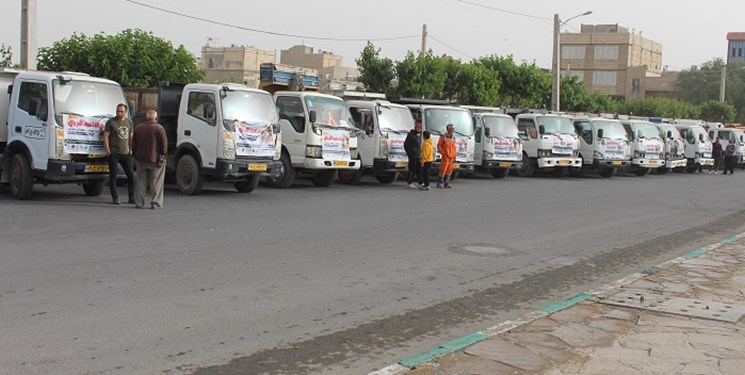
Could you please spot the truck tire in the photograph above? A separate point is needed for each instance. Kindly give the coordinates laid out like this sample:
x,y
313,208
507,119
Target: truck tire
x,y
248,185
387,178
286,175
324,178
94,188
527,169
189,179
500,173
351,176
641,172
21,182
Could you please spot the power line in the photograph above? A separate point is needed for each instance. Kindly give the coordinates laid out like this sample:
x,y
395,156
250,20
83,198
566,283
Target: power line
x,y
506,11
265,31
456,50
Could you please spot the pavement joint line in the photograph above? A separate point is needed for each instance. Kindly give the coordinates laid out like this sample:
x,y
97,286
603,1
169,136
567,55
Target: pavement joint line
x,y
418,360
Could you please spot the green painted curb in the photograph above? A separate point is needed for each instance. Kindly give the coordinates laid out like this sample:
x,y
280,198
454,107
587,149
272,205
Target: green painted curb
x,y
561,305
464,341
418,360
694,253
446,348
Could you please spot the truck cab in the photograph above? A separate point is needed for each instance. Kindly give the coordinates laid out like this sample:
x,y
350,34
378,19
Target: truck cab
x,y
318,138
604,146
550,143
727,136
218,132
674,148
52,129
698,147
383,128
498,148
647,146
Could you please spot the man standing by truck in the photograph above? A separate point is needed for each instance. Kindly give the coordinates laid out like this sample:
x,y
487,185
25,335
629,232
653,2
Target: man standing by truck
x,y
447,149
117,141
413,148
149,146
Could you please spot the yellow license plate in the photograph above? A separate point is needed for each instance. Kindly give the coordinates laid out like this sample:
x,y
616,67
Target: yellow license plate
x,y
402,164
653,162
617,162
257,167
96,168
340,163
563,162
456,166
505,165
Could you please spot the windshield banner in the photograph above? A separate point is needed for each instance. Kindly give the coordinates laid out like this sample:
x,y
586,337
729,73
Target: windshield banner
x,y
254,140
83,135
396,150
706,149
561,145
614,148
335,145
505,148
652,150
464,153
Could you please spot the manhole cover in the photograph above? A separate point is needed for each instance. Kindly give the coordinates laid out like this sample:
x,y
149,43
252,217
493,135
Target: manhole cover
x,y
726,312
479,250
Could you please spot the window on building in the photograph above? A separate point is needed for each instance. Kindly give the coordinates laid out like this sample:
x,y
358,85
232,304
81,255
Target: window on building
x,y
574,73
604,78
739,52
210,63
606,53
572,52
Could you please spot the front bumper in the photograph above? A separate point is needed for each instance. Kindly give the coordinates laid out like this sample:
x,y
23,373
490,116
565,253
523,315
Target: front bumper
x,y
501,164
606,163
387,166
331,164
676,163
227,169
705,161
457,167
648,163
66,170
559,162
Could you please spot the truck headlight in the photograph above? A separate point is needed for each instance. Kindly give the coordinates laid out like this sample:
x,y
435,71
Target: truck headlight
x,y
278,146
59,146
488,155
383,150
544,153
353,153
313,152
228,146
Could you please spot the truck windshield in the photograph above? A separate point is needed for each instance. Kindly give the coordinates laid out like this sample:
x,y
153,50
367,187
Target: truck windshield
x,y
556,125
611,129
395,119
437,119
86,98
249,107
329,111
501,126
647,130
672,129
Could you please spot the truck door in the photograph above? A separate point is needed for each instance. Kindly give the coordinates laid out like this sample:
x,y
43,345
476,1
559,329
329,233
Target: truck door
x,y
366,144
199,126
293,137
479,140
30,122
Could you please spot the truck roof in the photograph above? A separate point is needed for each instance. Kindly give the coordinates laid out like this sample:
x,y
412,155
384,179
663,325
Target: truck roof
x,y
373,103
48,76
231,86
303,94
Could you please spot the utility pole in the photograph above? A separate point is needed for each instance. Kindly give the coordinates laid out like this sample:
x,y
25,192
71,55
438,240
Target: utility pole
x,y
555,82
423,51
28,34
721,84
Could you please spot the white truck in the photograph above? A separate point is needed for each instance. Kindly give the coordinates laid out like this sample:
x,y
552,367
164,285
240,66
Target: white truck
x,y
647,146
384,126
318,138
498,146
727,136
435,116
52,128
550,143
218,132
698,146
604,146
674,148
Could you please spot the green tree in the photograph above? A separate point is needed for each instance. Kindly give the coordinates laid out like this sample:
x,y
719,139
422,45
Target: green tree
x,y
478,85
134,58
700,84
523,85
375,73
6,56
421,76
716,111
659,107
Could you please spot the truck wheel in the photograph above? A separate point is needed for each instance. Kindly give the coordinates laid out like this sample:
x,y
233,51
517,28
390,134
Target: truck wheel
x,y
500,173
286,175
527,169
387,178
324,178
248,185
94,188
351,176
641,172
21,183
608,172
189,179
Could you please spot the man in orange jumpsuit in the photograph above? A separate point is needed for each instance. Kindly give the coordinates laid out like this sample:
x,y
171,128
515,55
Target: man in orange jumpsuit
x,y
446,148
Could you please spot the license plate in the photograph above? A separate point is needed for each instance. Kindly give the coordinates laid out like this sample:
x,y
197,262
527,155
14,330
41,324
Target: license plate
x,y
653,162
617,162
257,167
96,168
563,162
340,163
505,165
456,166
402,164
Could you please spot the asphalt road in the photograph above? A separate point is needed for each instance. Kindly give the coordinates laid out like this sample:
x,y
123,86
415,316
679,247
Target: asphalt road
x,y
338,280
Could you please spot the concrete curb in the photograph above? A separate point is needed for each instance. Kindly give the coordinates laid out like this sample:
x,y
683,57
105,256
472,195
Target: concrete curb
x,y
449,347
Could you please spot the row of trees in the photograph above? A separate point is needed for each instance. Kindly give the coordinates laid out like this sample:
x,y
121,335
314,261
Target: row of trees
x,y
136,58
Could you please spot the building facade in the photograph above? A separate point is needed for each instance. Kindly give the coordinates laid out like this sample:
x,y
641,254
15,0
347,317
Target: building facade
x,y
303,55
236,64
736,46
613,61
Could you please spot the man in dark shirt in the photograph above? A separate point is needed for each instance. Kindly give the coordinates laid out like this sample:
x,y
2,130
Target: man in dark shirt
x,y
413,148
149,146
117,141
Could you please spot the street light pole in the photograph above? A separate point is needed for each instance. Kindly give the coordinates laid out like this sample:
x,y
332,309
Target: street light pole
x,y
556,68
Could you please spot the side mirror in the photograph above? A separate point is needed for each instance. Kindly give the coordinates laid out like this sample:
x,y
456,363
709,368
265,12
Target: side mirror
x,y
312,117
600,133
701,137
487,131
639,134
670,134
742,139
541,129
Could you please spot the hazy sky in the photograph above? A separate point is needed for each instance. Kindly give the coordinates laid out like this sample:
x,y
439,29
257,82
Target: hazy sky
x,y
691,32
